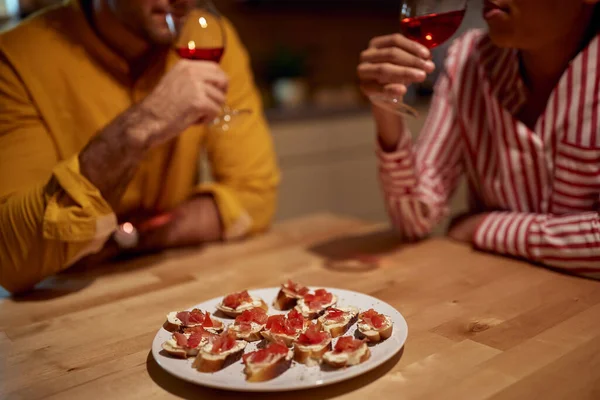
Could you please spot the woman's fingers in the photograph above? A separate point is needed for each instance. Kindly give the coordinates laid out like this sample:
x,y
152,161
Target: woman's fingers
x,y
402,42
387,73
397,56
395,89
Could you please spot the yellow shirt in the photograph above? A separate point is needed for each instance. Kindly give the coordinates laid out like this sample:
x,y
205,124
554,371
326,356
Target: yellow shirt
x,y
59,86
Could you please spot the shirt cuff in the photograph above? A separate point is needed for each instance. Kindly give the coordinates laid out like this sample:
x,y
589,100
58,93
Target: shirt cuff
x,y
75,209
505,233
235,219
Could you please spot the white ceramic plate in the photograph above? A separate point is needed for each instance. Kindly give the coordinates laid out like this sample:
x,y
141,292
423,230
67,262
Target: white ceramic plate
x,y
298,376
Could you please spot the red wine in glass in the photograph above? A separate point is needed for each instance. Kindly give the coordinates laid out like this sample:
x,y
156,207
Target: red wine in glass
x,y
199,34
207,54
433,29
431,23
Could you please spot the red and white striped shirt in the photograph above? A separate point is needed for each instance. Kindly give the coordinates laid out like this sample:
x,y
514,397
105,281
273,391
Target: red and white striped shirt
x,y
542,186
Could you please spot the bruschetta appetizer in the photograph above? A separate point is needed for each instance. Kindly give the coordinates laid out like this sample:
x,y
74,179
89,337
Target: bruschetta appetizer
x,y
338,320
177,321
220,352
184,345
314,304
289,294
234,304
347,352
285,328
311,345
249,324
267,363
373,326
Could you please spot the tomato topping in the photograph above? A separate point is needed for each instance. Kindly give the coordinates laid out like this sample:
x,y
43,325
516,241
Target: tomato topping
x,y
256,315
194,340
312,335
244,326
334,314
198,330
268,353
281,325
320,298
295,288
347,344
223,342
182,341
235,300
296,320
373,318
195,317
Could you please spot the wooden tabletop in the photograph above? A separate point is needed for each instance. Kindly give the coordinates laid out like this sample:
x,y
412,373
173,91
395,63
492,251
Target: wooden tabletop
x,y
480,326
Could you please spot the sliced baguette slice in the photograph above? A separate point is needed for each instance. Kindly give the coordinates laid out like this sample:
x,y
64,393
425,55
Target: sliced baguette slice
x,y
252,335
179,352
285,300
375,335
288,340
372,334
347,359
234,312
308,313
174,348
311,355
336,328
289,294
207,362
174,324
260,372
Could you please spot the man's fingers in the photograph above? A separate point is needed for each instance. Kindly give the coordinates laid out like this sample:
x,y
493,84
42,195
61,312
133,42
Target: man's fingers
x,y
216,95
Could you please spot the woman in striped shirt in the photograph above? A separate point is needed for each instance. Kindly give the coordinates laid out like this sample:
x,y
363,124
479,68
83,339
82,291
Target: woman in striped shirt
x,y
517,111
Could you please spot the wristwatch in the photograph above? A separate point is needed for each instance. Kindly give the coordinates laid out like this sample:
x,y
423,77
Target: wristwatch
x,y
126,236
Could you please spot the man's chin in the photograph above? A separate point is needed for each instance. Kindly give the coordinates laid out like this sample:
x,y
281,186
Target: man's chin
x,y
161,37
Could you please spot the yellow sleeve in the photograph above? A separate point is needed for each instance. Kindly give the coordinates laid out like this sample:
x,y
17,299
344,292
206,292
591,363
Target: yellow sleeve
x,y
50,215
242,158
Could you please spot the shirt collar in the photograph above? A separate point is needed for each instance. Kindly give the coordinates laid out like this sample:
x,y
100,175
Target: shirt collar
x,y
88,38
502,69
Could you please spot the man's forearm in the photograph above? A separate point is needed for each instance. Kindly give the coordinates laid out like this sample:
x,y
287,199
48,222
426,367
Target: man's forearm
x,y
110,159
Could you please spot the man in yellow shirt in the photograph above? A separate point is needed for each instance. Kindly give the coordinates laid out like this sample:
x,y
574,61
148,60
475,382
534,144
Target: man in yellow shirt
x,y
101,122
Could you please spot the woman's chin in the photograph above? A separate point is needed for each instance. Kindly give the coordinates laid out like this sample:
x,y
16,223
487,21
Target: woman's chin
x,y
502,38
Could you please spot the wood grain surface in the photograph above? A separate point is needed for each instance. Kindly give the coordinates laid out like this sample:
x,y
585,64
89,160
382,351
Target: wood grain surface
x,y
480,326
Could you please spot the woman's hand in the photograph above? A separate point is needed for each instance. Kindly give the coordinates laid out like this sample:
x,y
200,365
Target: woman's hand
x,y
391,63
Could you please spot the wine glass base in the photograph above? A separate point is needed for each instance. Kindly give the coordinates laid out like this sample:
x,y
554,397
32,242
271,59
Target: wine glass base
x,y
228,116
393,105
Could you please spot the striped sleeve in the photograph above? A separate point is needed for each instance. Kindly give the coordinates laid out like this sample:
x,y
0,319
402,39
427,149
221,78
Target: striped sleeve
x,y
418,181
570,242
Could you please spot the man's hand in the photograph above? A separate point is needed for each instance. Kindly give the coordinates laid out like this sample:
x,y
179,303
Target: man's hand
x,y
194,222
191,92
463,228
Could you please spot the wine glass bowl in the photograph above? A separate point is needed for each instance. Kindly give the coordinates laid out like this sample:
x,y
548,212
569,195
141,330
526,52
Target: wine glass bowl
x,y
201,36
430,23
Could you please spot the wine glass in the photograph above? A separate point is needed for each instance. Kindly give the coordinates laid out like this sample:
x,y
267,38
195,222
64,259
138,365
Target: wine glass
x,y
199,33
431,23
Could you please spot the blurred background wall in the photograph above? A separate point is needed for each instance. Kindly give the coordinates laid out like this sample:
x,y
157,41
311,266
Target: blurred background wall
x,y
304,54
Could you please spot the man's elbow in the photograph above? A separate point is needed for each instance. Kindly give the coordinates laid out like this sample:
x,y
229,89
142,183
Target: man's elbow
x,y
15,286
